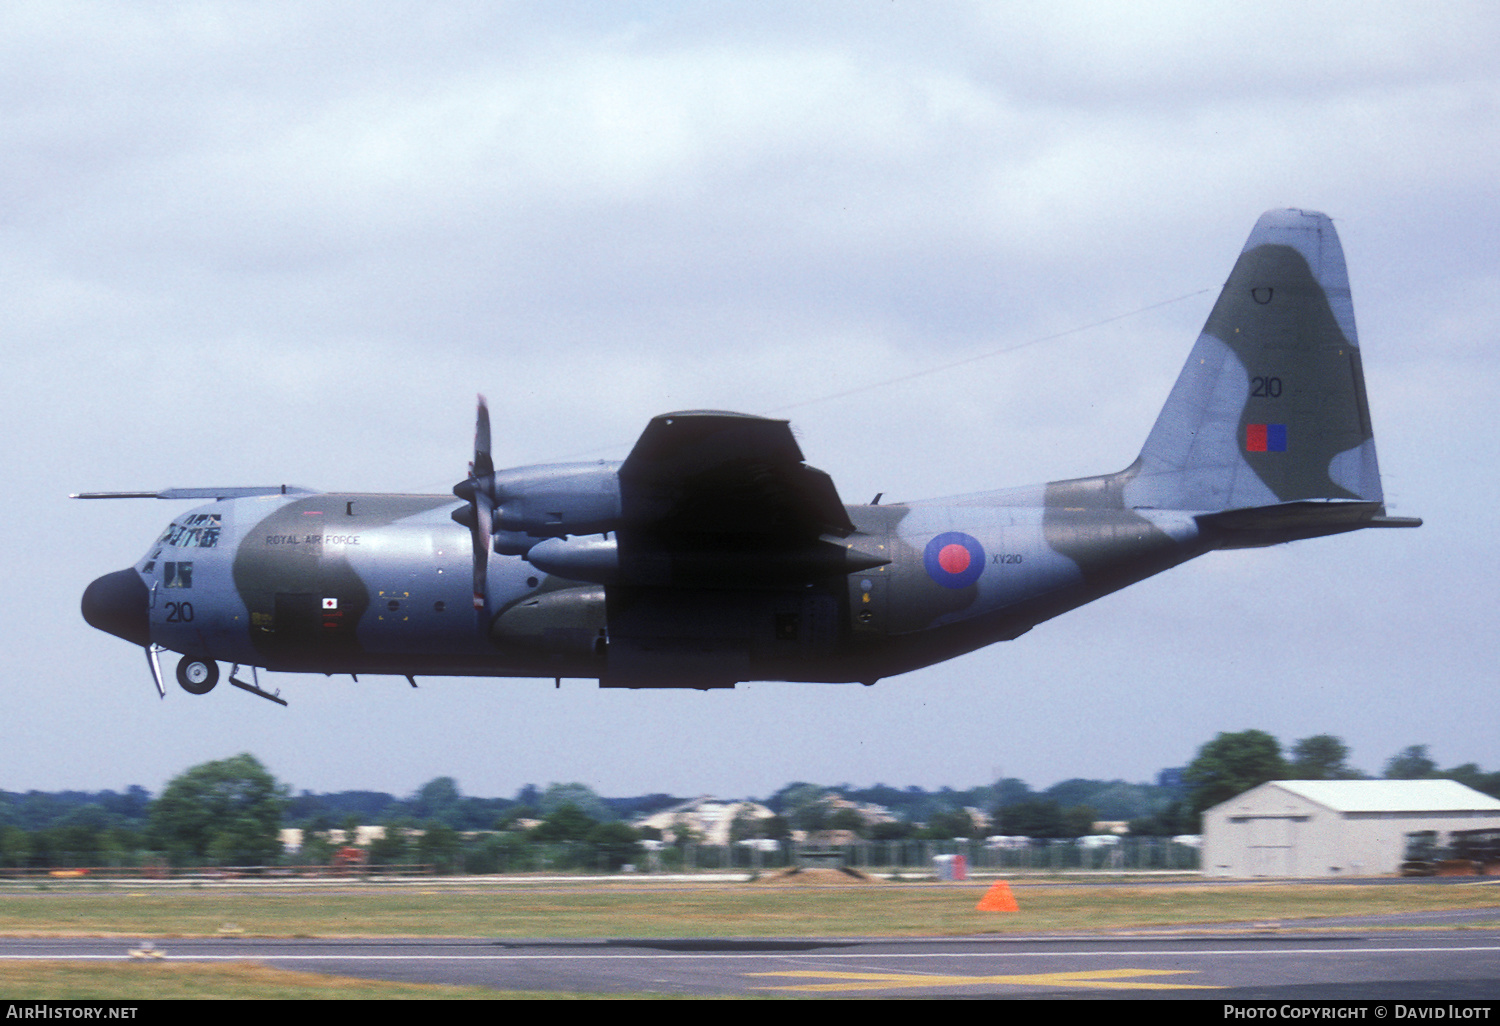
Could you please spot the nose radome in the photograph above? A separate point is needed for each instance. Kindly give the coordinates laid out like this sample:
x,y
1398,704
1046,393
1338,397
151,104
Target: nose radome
x,y
119,604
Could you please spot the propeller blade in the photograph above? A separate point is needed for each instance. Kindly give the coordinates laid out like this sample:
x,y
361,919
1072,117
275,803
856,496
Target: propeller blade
x,y
484,464
483,521
480,515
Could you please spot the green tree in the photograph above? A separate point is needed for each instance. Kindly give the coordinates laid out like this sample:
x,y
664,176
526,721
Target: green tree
x,y
1470,775
1078,820
614,845
1036,818
508,819
1411,764
437,799
227,811
80,834
806,806
392,848
1322,757
684,833
495,853
1046,818
439,846
942,826
776,828
317,849
1232,764
847,819
15,846
117,844
1169,821
743,826
897,830
1011,791
568,823
580,796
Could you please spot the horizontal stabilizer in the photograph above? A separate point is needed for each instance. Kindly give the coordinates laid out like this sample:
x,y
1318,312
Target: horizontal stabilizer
x,y
1291,521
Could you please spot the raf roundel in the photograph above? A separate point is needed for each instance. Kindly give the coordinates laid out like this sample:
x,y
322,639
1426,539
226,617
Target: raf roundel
x,y
954,560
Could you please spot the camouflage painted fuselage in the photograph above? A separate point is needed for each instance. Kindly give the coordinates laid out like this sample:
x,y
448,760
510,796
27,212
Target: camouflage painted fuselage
x,y
714,555
381,584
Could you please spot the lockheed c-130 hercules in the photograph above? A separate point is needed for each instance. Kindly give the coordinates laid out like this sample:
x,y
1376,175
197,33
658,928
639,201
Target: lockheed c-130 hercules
x,y
713,554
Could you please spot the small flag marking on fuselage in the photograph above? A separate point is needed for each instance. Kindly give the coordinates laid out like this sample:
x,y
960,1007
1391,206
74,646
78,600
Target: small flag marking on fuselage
x,y
1265,438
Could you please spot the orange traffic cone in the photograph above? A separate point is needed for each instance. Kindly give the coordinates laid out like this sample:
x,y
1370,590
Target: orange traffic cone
x,y
998,899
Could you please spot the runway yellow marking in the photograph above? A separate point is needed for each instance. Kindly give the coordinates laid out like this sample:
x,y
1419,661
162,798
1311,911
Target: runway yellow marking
x,y
1099,979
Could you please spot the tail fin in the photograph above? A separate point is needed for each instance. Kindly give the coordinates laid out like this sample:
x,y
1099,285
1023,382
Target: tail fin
x,y
1271,406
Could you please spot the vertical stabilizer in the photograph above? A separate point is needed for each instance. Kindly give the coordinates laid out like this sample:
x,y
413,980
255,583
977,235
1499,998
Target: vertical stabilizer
x,y
1271,406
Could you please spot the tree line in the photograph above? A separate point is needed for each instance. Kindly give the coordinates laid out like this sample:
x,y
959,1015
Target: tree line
x,y
231,812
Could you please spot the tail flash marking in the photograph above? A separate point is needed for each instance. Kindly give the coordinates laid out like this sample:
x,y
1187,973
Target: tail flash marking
x,y
1265,438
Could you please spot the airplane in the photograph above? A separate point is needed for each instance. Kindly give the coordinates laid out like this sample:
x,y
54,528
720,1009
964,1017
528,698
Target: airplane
x,y
713,554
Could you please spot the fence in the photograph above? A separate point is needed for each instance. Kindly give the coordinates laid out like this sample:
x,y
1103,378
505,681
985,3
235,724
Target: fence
x,y
1131,854
489,857
80,871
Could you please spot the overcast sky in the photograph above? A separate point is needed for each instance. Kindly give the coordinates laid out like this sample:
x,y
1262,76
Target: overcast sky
x,y
260,243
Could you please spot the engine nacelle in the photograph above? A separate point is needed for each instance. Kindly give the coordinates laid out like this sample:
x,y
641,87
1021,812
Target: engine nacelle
x,y
555,500
556,624
578,559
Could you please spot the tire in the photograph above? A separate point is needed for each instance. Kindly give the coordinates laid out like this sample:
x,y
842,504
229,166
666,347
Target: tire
x,y
197,676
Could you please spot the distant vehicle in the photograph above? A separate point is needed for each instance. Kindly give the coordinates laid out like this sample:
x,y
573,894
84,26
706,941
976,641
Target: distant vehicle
x,y
1481,847
1466,853
1191,840
1007,842
713,554
1099,841
1422,853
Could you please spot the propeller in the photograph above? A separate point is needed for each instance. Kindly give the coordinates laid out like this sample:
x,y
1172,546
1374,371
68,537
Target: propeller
x,y
479,517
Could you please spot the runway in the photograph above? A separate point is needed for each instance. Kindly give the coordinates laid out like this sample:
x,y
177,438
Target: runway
x,y
1247,962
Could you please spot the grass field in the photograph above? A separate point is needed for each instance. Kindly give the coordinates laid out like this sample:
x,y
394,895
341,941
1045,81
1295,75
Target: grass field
x,y
507,909
73,981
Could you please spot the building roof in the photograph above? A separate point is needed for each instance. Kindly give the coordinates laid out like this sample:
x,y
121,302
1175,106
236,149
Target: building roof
x,y
1390,795
710,816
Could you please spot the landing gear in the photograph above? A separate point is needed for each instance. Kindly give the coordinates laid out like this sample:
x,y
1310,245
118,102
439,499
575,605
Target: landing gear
x,y
197,676
255,689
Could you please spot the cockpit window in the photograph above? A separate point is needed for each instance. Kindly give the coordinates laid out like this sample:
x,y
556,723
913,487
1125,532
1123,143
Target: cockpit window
x,y
198,531
177,575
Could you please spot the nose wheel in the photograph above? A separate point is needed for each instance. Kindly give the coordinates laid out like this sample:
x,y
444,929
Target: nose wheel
x,y
197,676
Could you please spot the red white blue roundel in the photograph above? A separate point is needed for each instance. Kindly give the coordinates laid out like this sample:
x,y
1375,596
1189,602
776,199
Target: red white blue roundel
x,y
954,560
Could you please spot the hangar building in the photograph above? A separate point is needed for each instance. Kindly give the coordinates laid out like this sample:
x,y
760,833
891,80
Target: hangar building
x,y
1301,828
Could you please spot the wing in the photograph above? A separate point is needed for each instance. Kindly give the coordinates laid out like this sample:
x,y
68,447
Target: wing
x,y
728,550
198,493
725,480
705,500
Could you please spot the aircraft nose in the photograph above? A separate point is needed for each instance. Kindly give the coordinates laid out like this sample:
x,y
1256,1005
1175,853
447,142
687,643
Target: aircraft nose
x,y
120,604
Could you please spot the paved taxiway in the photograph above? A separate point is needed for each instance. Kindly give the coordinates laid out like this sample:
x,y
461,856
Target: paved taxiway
x,y
1289,962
